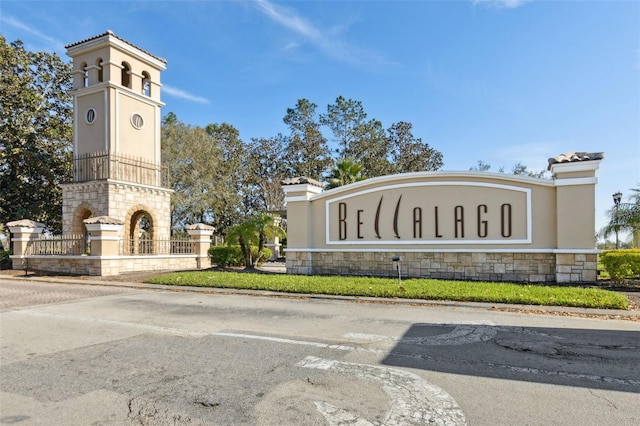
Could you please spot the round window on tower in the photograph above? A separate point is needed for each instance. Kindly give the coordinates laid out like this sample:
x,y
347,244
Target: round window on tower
x,y
137,121
91,116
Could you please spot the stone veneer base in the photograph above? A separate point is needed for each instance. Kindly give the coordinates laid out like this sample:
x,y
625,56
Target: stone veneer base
x,y
109,266
473,266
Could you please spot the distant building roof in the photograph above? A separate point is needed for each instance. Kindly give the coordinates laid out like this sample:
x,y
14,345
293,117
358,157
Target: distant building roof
x,y
110,33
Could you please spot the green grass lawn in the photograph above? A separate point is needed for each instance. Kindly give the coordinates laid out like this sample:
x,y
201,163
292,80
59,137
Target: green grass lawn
x,y
428,289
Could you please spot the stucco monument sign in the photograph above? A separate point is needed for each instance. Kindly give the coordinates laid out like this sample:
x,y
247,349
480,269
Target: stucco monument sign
x,y
461,225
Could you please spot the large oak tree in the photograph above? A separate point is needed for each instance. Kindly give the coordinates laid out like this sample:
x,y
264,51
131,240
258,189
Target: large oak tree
x,y
36,134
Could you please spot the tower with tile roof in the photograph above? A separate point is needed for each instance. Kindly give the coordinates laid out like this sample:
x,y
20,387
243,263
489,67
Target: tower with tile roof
x,y
118,168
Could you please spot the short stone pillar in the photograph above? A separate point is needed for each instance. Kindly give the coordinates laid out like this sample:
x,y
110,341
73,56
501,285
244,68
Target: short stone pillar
x,y
200,235
275,245
297,193
104,233
22,233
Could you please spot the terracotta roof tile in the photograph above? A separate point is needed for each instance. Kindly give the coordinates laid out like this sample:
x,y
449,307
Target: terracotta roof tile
x,y
301,180
26,223
109,32
572,157
103,220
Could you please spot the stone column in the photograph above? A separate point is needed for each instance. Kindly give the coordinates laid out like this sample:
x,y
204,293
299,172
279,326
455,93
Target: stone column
x,y
574,176
104,233
200,235
275,245
22,233
297,195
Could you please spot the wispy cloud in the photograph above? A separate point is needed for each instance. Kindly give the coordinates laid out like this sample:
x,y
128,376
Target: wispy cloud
x,y
50,42
503,4
181,94
326,40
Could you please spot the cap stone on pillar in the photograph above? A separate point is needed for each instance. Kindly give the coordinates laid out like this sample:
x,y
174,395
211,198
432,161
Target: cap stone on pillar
x,y
104,235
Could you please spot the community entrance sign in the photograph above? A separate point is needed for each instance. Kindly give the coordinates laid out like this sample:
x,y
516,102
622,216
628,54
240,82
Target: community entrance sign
x,y
461,225
441,212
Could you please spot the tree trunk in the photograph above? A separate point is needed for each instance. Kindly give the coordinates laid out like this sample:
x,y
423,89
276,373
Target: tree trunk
x,y
246,252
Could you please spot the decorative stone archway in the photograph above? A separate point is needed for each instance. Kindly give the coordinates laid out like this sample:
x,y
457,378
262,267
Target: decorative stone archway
x,y
140,225
82,212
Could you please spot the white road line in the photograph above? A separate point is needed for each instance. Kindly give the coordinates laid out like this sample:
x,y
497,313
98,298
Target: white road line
x,y
414,401
462,334
183,331
288,341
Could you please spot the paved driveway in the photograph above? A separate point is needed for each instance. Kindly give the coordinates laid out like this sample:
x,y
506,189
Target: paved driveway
x,y
77,355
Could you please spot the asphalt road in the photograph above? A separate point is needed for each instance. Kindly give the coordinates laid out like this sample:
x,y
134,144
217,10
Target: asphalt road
x,y
95,355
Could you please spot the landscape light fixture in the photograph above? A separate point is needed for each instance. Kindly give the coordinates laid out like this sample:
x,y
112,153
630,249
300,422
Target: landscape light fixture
x,y
617,197
396,260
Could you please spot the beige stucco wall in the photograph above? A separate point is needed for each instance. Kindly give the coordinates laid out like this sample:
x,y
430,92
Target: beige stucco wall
x,y
140,143
94,136
532,201
487,226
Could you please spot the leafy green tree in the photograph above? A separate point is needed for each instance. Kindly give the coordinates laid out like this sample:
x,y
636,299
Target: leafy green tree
x,y
228,200
306,152
345,118
205,173
372,150
358,138
345,172
255,231
35,134
410,154
264,172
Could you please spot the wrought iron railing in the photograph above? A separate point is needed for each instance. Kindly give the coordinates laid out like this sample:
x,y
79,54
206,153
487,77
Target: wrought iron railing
x,y
79,245
102,165
140,246
58,245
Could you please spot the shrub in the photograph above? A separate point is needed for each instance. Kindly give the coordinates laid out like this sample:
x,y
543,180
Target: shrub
x,y
5,261
266,254
621,264
224,256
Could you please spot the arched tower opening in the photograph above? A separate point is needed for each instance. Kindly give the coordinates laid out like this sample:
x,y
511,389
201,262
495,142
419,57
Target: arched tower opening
x,y
85,74
100,70
126,75
146,84
140,231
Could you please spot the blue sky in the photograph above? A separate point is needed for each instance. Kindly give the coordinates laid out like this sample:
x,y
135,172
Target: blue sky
x,y
498,81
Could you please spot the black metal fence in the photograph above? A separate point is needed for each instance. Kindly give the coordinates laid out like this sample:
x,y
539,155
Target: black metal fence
x,y
140,246
58,245
102,165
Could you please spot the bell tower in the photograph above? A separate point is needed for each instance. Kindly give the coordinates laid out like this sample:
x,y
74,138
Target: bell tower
x,y
116,145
